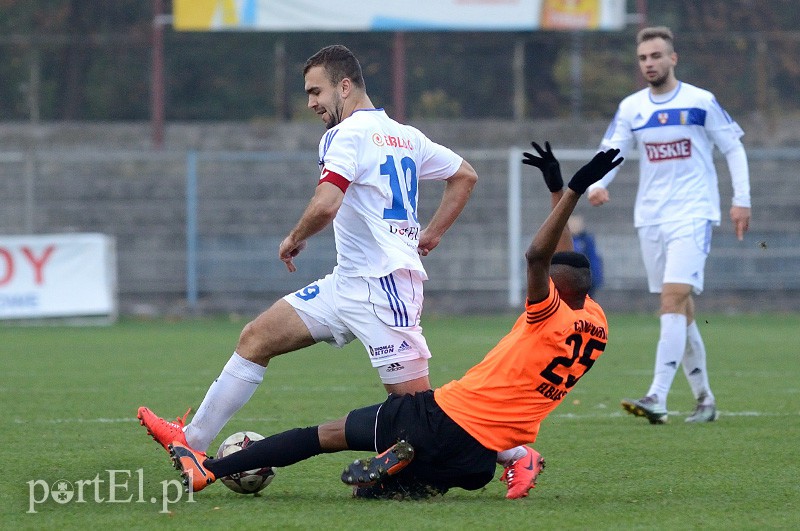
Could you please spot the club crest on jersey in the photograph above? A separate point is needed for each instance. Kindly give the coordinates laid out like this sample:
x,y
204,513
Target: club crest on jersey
x,y
663,117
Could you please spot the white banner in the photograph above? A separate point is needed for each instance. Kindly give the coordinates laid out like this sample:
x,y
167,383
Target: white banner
x,y
397,15
57,275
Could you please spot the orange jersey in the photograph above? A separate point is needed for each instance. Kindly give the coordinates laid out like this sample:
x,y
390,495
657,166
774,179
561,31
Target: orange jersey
x,y
502,400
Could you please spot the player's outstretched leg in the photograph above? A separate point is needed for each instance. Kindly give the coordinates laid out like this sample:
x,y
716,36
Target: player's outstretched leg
x,y
196,477
162,431
647,407
366,472
520,476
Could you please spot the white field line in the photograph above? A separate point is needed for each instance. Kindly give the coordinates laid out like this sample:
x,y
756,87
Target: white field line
x,y
567,416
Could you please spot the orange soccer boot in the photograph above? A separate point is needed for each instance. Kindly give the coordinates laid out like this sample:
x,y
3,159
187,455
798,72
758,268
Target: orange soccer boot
x,y
162,431
196,477
520,476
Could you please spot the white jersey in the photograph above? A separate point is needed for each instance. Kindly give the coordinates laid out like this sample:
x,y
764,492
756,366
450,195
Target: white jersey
x,y
376,228
675,136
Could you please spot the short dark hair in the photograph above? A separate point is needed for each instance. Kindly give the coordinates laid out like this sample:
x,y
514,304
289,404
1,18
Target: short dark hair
x,y
570,258
656,32
572,276
339,63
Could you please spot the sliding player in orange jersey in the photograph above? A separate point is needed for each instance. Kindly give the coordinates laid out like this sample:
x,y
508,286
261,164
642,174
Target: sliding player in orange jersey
x,y
432,441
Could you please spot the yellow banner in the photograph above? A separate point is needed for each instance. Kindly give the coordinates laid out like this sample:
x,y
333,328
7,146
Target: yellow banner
x,y
402,15
202,15
570,14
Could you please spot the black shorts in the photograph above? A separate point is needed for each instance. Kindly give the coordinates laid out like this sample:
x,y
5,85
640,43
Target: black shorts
x,y
445,455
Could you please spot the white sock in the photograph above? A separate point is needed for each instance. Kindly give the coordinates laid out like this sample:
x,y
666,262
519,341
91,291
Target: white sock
x,y
694,365
507,457
227,394
671,346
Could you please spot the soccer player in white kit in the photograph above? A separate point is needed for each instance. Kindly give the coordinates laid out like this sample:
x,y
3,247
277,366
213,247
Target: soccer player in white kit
x,y
370,168
675,127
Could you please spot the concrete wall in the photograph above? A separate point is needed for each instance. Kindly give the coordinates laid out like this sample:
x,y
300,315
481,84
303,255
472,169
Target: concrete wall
x,y
254,179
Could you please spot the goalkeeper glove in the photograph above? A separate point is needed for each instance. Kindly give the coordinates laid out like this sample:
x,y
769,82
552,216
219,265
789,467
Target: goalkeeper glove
x,y
548,163
594,170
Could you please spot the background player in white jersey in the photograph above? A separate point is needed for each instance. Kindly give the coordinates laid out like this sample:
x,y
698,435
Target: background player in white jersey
x,y
676,126
370,169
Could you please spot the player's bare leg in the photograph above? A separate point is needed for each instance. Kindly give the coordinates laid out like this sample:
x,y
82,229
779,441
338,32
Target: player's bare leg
x,y
276,331
332,435
410,387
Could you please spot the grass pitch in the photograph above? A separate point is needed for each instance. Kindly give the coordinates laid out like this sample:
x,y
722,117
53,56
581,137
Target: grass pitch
x,y
75,457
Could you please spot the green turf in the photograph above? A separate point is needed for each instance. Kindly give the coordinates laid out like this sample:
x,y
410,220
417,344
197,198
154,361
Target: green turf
x,y
69,396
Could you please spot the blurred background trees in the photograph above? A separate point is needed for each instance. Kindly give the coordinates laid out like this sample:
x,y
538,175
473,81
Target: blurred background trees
x,y
78,60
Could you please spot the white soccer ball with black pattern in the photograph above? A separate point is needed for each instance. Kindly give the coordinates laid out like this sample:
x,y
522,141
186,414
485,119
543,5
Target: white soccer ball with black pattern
x,y
251,481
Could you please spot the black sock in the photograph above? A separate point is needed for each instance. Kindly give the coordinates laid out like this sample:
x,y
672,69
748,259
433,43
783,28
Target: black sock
x,y
281,449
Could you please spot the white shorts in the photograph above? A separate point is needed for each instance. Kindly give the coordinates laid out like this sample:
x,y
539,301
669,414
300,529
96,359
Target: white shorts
x,y
383,313
675,253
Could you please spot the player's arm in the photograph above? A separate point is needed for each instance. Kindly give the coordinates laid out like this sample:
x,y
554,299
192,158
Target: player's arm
x,y
457,190
546,239
617,136
726,134
598,192
740,179
551,171
319,213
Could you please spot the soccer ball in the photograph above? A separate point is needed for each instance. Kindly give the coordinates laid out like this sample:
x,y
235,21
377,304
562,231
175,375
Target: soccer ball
x,y
251,481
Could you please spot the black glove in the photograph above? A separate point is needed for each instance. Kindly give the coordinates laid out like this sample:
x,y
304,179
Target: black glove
x,y
594,170
548,164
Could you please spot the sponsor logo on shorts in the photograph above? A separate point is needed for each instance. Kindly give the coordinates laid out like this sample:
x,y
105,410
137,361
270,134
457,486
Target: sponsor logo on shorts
x,y
380,351
403,347
393,367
